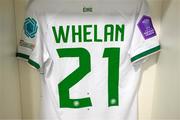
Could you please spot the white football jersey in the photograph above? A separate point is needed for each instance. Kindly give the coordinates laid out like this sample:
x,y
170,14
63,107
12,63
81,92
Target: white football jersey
x,y
88,52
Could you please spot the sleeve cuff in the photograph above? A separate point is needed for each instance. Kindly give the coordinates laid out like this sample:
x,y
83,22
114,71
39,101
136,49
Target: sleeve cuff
x,y
145,53
27,58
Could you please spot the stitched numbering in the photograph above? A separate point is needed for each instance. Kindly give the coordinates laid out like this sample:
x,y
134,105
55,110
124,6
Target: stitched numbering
x,y
113,55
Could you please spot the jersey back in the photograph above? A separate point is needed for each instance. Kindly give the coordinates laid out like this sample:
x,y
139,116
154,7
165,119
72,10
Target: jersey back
x,y
87,52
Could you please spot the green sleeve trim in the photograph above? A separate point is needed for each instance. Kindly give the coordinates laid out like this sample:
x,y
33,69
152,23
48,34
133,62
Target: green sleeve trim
x,y
22,55
146,53
31,62
34,64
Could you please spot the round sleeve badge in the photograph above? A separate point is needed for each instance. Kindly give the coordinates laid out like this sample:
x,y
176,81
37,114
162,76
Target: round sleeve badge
x,y
30,27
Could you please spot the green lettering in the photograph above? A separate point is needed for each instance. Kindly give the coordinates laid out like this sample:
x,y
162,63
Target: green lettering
x,y
96,39
75,77
86,33
78,33
108,32
113,55
61,34
119,29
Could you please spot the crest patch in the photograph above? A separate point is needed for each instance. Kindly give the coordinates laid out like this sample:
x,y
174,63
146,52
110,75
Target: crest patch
x,y
146,27
30,27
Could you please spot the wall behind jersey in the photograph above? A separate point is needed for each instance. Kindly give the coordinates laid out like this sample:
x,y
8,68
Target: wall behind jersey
x,y
10,107
29,78
166,103
146,92
159,94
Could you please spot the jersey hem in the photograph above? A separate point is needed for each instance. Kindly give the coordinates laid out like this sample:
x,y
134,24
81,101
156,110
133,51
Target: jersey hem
x,y
30,61
146,53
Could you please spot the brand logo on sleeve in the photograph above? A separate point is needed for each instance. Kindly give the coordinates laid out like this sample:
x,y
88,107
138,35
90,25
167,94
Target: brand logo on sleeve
x,y
30,27
146,27
25,44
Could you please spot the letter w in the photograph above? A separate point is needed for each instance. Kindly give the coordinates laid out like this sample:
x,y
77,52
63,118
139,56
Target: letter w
x,y
61,35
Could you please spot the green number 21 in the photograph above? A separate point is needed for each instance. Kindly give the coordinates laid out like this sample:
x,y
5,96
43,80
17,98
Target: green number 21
x,y
113,55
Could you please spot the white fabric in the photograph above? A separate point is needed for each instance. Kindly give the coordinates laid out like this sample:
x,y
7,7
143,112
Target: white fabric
x,y
50,13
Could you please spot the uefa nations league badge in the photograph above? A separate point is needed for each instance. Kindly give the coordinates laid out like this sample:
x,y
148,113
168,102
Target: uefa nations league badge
x,y
146,27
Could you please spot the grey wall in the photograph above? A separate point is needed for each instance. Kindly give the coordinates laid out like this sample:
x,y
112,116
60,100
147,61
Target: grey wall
x,y
166,101
10,107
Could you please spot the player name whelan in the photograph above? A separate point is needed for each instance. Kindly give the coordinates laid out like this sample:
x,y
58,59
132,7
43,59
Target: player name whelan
x,y
88,33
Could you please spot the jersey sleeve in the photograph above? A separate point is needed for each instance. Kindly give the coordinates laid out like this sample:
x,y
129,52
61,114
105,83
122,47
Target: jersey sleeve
x,y
145,40
31,47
